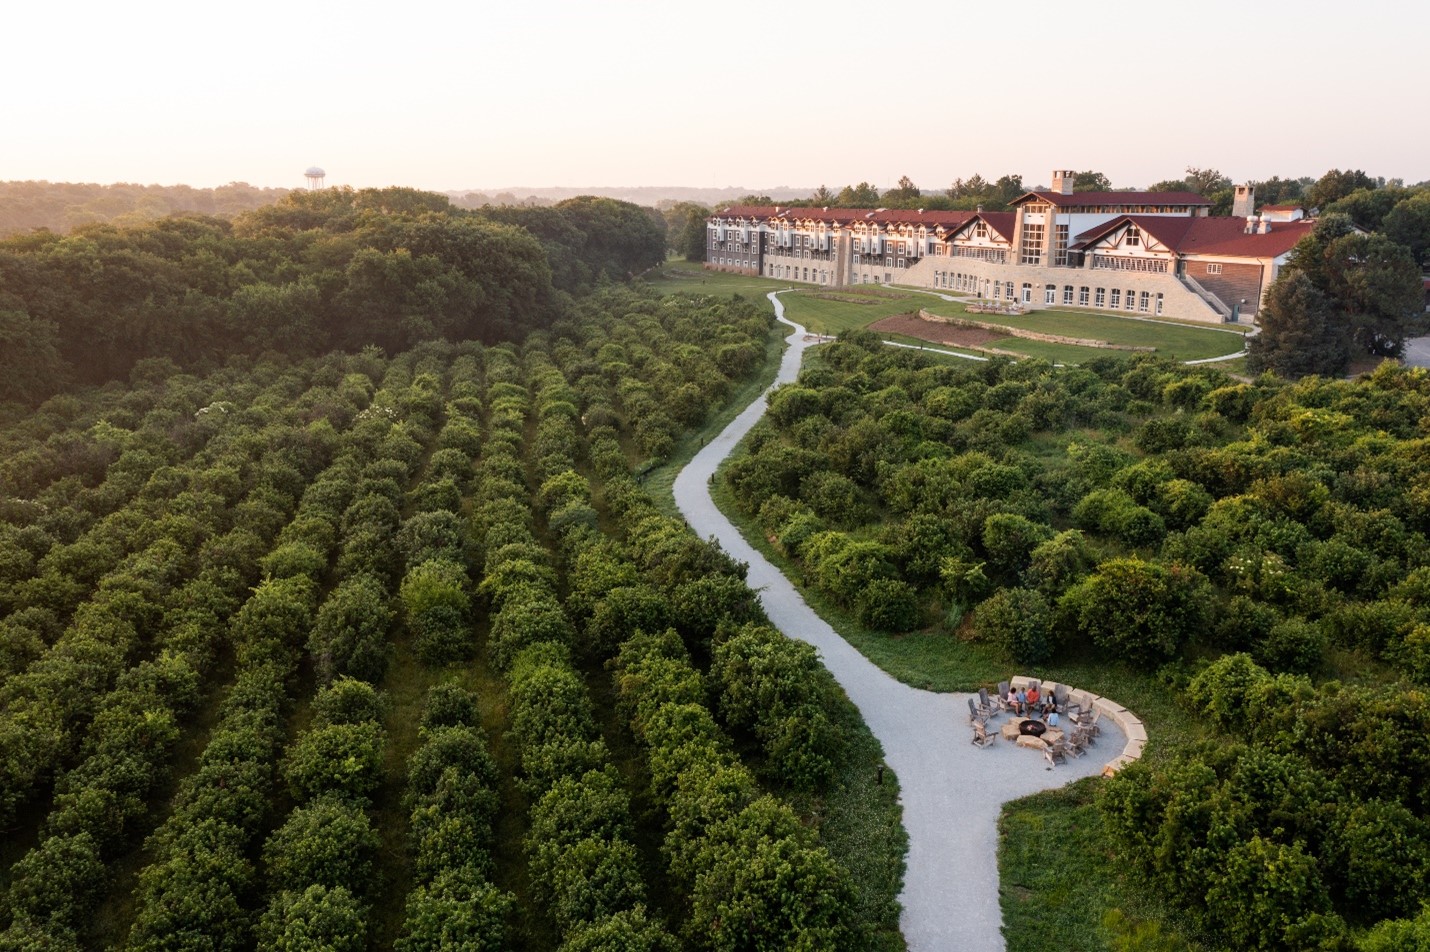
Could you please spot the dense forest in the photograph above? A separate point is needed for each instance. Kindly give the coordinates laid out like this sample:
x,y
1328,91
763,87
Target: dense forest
x,y
62,206
355,650
318,270
1260,546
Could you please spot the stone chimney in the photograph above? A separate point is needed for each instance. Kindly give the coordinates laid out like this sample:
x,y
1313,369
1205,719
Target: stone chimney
x,y
1063,181
1244,205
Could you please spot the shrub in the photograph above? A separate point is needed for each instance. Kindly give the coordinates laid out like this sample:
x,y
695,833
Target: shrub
x,y
457,910
329,842
1224,690
350,634
1140,611
1019,621
345,759
436,604
889,604
1293,645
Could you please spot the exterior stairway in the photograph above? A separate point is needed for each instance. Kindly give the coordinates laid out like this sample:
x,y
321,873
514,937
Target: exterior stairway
x,y
1212,301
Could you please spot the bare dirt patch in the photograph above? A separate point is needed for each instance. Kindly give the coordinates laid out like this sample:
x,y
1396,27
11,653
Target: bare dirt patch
x,y
911,325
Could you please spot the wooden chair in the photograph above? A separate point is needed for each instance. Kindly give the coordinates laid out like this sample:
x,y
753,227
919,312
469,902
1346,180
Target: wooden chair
x,y
981,737
989,707
1003,696
975,716
1054,756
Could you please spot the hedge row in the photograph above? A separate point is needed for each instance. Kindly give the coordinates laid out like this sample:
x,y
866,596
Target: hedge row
x,y
754,874
451,795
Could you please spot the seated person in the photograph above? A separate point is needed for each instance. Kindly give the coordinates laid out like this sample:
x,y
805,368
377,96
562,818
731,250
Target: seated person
x,y
1012,699
1033,701
1022,706
1050,703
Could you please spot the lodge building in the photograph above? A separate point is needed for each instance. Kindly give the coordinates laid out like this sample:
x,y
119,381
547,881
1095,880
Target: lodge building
x,y
1150,253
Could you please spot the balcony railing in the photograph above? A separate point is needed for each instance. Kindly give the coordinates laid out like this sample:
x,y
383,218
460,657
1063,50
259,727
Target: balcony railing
x,y
1146,265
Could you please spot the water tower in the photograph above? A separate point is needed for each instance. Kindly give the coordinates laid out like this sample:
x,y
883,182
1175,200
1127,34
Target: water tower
x,y
315,177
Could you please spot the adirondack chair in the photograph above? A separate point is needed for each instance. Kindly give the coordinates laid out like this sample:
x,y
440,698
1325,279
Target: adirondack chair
x,y
1054,755
974,715
1003,696
981,737
986,705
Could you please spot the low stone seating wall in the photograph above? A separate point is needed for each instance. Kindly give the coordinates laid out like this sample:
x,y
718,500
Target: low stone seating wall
x,y
1126,721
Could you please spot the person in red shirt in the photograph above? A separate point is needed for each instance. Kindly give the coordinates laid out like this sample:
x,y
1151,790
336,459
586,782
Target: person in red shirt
x,y
1033,696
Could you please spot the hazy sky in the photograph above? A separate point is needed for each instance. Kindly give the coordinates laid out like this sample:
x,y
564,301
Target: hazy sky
x,y
731,92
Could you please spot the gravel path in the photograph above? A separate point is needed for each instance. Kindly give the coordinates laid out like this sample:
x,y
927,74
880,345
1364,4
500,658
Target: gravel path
x,y
952,791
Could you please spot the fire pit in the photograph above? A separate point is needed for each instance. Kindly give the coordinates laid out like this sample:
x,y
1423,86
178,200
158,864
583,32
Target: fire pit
x,y
1032,728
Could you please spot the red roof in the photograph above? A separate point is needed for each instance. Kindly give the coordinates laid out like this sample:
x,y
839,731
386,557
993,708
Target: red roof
x,y
1000,223
1081,199
1223,235
884,216
1227,236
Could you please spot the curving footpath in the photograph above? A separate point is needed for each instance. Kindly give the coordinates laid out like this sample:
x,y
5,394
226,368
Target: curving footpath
x,y
952,792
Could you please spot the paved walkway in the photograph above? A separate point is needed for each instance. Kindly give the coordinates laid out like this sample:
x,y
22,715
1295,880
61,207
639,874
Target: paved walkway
x,y
1417,352
952,791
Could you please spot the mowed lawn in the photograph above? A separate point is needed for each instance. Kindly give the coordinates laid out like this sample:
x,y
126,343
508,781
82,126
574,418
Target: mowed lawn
x,y
834,310
677,276
843,309
1181,341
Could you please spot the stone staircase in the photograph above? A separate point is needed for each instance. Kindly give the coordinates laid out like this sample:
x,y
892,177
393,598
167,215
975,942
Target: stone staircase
x,y
1212,301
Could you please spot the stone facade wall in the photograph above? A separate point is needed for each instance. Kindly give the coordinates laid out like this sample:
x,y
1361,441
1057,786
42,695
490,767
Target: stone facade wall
x,y
1178,301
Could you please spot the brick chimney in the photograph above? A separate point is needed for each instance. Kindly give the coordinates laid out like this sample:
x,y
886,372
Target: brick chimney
x,y
1063,181
1244,205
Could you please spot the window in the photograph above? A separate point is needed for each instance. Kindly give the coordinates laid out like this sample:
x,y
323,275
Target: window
x,y
1213,269
980,229
1116,298
1032,252
1102,297
1060,245
1067,294
1027,293
997,290
1131,299
1050,294
1133,239
1008,290
1144,302
1159,302
1082,296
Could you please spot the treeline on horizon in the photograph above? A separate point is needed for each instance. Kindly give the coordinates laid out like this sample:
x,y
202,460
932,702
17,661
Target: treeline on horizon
x,y
313,272
996,195
62,206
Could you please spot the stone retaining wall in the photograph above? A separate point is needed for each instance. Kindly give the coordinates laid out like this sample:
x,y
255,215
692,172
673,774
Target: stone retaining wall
x,y
1130,725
